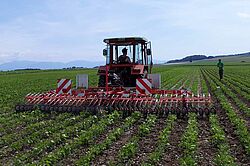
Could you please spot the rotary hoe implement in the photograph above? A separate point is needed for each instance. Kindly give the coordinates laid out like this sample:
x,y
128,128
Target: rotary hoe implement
x,y
125,84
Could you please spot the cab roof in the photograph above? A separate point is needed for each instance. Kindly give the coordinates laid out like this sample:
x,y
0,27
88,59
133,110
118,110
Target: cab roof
x,y
125,40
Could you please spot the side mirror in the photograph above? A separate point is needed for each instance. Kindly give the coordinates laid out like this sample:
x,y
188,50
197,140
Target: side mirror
x,y
105,52
148,51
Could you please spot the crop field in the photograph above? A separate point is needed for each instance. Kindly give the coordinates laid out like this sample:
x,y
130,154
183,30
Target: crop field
x,y
36,138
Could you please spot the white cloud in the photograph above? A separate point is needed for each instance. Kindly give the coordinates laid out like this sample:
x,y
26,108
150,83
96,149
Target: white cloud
x,y
65,30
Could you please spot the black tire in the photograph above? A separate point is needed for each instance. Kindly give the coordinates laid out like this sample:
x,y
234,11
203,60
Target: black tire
x,y
200,112
26,108
213,110
41,107
65,108
22,108
17,108
47,108
60,109
102,81
206,112
51,108
124,114
166,111
184,112
178,113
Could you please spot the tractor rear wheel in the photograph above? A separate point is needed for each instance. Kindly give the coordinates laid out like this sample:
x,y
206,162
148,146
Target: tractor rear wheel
x,y
102,81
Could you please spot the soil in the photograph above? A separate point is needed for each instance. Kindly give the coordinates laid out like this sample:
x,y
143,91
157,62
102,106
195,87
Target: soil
x,y
199,85
239,112
9,153
206,151
111,153
191,83
173,152
177,82
240,96
236,148
183,84
71,158
148,143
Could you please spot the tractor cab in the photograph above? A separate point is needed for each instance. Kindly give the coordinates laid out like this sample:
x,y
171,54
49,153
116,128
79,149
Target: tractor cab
x,y
126,60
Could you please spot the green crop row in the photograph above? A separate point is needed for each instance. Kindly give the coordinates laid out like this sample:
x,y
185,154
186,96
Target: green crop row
x,y
189,141
195,85
173,76
203,84
243,107
218,139
239,80
162,143
237,77
85,137
237,89
56,139
97,149
238,83
23,120
240,76
46,132
130,149
33,128
240,125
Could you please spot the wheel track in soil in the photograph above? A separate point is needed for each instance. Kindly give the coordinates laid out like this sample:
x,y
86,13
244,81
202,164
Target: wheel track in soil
x,y
173,152
205,150
148,144
111,153
236,149
191,82
183,84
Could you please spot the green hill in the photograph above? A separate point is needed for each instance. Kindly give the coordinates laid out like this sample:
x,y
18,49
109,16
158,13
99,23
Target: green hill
x,y
239,59
230,60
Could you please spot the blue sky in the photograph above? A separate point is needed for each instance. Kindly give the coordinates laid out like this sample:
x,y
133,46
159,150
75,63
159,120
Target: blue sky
x,y
67,30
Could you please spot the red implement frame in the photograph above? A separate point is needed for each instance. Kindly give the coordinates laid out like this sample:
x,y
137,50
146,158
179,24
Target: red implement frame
x,y
120,99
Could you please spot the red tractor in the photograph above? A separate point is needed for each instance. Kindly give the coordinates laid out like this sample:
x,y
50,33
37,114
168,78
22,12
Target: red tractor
x,y
127,59
125,84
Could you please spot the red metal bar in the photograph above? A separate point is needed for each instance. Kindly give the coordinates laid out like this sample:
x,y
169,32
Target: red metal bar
x,y
106,74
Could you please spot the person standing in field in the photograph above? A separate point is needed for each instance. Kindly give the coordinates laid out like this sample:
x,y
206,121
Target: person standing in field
x,y
220,65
